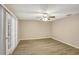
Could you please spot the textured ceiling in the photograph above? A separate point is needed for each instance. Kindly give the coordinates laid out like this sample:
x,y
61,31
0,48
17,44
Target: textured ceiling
x,y
35,11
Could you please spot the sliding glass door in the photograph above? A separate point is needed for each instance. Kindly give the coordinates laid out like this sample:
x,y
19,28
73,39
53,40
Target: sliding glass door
x,y
10,33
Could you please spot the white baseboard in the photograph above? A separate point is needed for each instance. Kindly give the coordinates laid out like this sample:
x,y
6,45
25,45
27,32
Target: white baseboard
x,y
34,38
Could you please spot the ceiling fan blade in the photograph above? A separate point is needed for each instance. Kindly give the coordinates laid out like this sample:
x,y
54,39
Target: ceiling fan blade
x,y
51,17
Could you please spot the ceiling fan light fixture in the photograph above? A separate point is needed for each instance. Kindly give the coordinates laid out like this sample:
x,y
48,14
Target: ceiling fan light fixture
x,y
45,15
45,19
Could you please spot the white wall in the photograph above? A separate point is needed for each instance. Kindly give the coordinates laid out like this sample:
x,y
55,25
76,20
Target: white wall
x,y
67,30
34,29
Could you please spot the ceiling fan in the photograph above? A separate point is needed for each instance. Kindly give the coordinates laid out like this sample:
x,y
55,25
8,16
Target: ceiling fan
x,y
46,17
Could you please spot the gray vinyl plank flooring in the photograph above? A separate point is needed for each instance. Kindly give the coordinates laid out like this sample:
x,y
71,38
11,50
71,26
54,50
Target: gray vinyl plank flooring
x,y
44,47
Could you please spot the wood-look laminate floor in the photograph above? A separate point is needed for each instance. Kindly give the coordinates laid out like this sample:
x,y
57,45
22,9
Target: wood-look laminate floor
x,y
44,47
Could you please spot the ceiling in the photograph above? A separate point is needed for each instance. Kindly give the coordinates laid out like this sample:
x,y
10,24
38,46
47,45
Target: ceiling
x,y
35,11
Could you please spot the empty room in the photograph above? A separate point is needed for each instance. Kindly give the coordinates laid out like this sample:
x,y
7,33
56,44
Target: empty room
x,y
39,29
